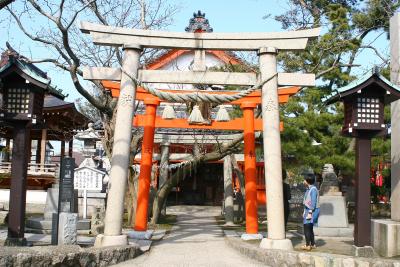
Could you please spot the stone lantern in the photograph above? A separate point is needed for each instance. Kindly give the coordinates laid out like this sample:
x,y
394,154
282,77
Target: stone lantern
x,y
364,102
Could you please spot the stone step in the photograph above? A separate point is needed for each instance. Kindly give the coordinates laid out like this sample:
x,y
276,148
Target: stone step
x,y
41,224
330,231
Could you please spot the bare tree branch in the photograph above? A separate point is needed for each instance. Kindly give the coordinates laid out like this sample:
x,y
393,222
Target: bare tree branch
x,y
385,60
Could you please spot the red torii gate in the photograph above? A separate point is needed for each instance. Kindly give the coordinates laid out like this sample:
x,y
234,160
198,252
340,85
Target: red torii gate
x,y
248,124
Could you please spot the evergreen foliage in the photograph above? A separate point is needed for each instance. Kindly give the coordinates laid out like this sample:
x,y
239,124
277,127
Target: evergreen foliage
x,y
312,135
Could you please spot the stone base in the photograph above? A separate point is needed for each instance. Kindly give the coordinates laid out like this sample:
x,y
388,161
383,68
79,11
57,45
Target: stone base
x,y
15,242
386,237
110,240
248,237
230,224
365,252
83,224
283,244
140,234
330,231
333,212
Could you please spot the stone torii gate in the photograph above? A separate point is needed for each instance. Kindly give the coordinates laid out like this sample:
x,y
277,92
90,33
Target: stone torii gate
x,y
133,41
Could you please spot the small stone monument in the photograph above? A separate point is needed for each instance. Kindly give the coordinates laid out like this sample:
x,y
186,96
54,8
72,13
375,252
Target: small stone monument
x,y
67,228
333,219
330,182
97,221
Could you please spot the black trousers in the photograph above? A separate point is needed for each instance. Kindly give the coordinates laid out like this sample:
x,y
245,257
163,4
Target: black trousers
x,y
309,234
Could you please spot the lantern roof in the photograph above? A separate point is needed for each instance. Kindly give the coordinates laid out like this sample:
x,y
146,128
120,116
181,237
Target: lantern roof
x,y
12,61
373,80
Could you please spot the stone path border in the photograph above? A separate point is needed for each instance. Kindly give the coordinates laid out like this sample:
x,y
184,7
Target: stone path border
x,y
66,255
295,258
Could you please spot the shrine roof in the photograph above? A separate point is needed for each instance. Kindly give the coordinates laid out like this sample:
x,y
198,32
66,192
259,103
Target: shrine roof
x,y
198,23
373,77
51,101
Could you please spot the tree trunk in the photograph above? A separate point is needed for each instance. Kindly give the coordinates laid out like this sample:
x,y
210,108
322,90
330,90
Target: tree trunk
x,y
131,196
165,189
133,182
187,168
239,174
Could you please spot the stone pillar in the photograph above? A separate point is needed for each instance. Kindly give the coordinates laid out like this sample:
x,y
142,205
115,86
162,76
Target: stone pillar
x,y
395,117
164,161
272,153
67,228
250,167
228,191
120,153
386,233
146,165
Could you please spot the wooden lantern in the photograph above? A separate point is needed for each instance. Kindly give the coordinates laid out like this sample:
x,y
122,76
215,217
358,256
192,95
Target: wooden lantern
x,y
22,102
364,102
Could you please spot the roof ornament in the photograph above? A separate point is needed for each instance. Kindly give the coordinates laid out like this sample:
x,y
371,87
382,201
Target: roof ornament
x,y
376,70
199,23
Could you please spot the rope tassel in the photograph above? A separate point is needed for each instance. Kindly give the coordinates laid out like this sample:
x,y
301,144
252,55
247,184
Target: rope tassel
x,y
195,116
222,114
168,113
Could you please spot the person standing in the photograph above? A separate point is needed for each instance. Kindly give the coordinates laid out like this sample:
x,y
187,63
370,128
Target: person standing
x,y
311,211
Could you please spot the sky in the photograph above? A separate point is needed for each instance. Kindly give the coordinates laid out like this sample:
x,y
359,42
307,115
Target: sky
x,y
223,15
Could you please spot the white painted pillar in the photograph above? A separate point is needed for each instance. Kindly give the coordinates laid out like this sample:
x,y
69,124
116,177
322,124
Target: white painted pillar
x,y
395,117
120,153
228,190
272,153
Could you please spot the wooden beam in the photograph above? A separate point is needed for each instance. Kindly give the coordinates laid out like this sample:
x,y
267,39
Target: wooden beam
x,y
198,77
109,35
232,125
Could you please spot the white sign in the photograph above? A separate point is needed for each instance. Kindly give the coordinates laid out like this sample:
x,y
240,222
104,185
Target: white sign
x,y
87,178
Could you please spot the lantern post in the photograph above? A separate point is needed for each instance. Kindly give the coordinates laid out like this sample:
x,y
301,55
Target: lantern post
x,y
21,106
364,102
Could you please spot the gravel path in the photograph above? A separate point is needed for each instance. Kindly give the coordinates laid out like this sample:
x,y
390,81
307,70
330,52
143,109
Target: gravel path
x,y
195,240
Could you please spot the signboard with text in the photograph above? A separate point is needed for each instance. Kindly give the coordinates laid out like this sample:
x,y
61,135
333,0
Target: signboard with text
x,y
87,178
67,179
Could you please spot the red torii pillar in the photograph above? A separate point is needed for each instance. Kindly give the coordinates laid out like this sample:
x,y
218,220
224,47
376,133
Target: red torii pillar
x,y
146,164
250,168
